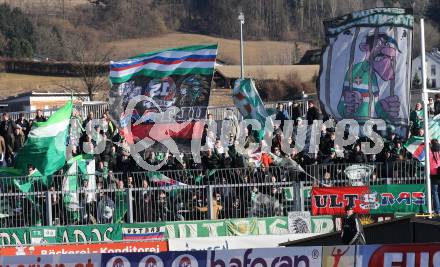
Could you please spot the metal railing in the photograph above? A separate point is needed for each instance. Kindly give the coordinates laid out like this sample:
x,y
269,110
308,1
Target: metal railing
x,y
218,112
358,174
148,204
98,108
182,194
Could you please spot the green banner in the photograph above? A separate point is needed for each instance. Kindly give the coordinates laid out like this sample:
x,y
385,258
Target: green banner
x,y
322,224
397,198
114,232
14,236
261,226
89,233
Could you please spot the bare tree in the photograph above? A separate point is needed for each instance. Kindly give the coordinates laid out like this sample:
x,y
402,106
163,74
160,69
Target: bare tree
x,y
91,65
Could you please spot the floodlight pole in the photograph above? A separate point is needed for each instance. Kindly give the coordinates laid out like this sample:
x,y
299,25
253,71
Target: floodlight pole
x,y
425,116
241,19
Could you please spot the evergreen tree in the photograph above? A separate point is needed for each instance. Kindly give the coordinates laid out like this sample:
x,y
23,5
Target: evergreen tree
x,y
433,11
18,33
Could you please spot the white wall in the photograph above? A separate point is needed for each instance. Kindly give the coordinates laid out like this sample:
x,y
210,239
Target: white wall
x,y
416,68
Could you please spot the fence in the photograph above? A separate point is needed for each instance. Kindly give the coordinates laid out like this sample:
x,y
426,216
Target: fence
x,y
346,174
182,195
219,113
98,108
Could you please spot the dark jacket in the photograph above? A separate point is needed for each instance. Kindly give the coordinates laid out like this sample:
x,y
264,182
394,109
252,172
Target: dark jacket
x,y
296,113
312,114
7,131
437,107
352,231
24,124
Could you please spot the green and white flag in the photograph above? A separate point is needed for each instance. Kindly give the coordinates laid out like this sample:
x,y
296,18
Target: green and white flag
x,y
81,168
434,128
70,190
45,147
249,103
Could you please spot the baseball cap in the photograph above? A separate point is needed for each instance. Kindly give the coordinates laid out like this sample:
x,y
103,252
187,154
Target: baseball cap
x,y
348,207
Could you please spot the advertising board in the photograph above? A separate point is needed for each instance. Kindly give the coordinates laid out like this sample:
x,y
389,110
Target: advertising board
x,y
338,256
85,260
169,259
415,255
232,242
295,257
118,247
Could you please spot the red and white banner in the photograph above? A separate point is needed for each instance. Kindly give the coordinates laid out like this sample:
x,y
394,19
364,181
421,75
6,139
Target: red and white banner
x,y
121,247
332,200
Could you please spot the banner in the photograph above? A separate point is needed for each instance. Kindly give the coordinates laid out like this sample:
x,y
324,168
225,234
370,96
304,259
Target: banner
x,y
297,256
89,233
332,200
14,236
366,66
120,247
398,198
142,231
232,242
175,86
214,228
398,255
299,222
172,259
377,199
322,224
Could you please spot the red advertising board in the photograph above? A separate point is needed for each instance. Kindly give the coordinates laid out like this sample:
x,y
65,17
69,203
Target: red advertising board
x,y
121,247
332,200
417,255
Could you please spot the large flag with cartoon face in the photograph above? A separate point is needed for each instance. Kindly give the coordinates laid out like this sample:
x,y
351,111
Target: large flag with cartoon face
x,y
365,67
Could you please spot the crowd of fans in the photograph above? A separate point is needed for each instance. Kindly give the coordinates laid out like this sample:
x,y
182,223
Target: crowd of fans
x,y
117,171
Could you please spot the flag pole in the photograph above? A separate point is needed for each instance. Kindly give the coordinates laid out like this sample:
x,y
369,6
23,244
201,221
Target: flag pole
x,y
241,19
425,116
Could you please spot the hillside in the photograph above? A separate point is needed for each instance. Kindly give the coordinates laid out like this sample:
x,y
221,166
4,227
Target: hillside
x,y
256,52
12,84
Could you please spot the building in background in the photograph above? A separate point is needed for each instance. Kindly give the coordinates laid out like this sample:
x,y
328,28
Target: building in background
x,y
432,70
31,101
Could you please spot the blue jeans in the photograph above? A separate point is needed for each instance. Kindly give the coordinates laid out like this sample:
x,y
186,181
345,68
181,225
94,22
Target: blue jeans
x,y
435,191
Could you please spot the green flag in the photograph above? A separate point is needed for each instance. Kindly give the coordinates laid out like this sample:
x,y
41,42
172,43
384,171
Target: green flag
x,y
82,167
199,178
121,207
45,147
70,191
249,103
26,185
